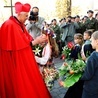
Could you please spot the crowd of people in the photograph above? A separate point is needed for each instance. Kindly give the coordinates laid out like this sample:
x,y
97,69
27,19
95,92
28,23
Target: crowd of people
x,y
23,74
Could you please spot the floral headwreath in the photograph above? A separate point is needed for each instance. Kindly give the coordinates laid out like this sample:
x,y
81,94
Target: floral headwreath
x,y
49,32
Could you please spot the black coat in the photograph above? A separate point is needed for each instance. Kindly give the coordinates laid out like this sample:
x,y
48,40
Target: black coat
x,y
88,49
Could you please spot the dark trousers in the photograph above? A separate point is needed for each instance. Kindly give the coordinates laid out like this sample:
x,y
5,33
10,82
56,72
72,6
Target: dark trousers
x,y
75,91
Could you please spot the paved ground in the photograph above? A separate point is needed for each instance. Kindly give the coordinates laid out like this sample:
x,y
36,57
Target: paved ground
x,y
58,91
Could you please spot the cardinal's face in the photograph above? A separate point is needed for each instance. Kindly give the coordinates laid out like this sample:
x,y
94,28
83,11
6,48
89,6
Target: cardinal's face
x,y
23,17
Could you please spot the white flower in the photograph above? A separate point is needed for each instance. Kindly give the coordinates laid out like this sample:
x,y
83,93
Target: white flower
x,y
37,51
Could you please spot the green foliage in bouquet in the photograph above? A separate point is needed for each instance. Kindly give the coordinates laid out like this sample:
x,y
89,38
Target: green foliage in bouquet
x,y
66,52
71,71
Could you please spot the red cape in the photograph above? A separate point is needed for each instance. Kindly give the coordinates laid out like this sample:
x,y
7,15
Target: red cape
x,y
19,72
14,36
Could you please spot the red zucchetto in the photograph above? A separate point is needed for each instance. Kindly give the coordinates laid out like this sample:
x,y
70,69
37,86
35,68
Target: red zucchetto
x,y
19,7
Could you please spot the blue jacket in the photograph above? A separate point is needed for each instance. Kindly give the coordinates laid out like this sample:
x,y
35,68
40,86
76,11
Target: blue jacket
x,y
90,75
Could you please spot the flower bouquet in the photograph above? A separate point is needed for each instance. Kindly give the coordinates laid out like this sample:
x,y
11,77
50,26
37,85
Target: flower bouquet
x,y
50,74
67,50
72,69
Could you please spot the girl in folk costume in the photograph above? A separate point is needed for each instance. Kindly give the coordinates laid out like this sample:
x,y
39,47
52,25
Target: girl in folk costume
x,y
45,62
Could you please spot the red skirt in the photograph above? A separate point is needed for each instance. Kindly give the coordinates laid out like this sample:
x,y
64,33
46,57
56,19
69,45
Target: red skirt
x,y
20,76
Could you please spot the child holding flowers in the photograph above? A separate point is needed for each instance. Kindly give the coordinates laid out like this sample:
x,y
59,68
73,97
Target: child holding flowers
x,y
45,62
71,69
90,76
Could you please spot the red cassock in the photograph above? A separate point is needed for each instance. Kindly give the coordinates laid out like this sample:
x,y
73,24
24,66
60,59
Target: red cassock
x,y
19,72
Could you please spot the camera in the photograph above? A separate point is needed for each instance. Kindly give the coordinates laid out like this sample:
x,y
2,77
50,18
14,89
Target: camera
x,y
33,16
69,21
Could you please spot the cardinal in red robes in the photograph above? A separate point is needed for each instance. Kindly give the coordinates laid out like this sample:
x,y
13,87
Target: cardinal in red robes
x,y
19,72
